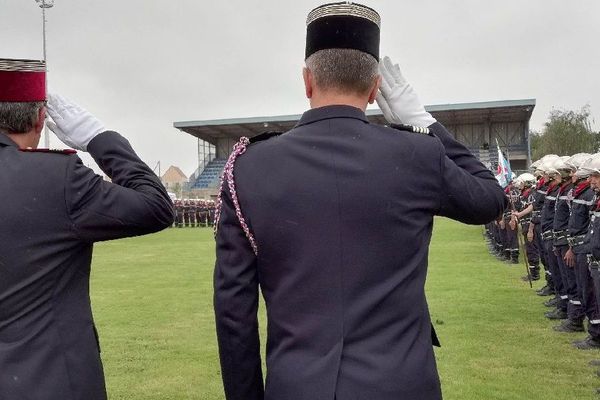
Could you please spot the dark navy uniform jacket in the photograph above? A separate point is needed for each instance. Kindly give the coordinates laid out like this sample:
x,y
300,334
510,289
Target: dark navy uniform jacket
x,y
549,208
526,198
583,200
539,196
593,235
342,212
52,210
562,214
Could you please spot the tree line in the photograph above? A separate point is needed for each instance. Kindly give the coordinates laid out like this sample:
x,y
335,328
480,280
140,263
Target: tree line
x,y
566,133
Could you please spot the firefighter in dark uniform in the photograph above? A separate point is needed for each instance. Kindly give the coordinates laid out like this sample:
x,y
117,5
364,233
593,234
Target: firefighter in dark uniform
x,y
503,237
192,213
343,287
511,252
527,186
575,313
179,213
592,246
548,236
200,207
53,210
583,303
210,212
186,213
535,228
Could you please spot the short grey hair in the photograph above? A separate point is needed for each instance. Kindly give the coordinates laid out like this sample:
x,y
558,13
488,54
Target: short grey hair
x,y
19,117
344,70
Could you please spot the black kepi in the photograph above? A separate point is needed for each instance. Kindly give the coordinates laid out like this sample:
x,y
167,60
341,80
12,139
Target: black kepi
x,y
343,25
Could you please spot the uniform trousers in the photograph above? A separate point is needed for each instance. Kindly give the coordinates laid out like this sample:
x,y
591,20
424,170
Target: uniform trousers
x,y
531,248
554,269
585,287
537,237
574,309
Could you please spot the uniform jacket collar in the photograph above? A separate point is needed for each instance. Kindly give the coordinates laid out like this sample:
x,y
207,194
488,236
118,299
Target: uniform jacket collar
x,y
327,112
6,141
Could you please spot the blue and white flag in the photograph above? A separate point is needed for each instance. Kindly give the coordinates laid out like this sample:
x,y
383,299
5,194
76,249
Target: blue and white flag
x,y
503,172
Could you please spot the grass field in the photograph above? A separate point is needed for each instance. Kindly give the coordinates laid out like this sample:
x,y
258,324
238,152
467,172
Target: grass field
x,y
152,299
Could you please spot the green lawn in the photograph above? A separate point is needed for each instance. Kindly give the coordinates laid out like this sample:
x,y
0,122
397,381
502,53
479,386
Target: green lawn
x,y
152,299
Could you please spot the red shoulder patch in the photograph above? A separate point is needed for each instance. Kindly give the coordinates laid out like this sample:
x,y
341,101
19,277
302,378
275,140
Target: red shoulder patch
x,y
55,151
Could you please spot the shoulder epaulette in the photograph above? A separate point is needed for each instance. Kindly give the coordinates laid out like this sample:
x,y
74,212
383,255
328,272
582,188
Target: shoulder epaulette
x,y
411,128
265,136
54,151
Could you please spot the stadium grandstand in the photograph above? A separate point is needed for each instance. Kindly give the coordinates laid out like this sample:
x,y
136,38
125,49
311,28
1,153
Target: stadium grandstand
x,y
477,125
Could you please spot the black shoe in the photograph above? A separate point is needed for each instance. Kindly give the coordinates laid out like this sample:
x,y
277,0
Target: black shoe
x,y
545,291
569,326
595,363
556,314
545,287
588,344
574,342
552,302
533,277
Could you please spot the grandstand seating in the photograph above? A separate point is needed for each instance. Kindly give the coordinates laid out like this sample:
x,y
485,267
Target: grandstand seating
x,y
209,178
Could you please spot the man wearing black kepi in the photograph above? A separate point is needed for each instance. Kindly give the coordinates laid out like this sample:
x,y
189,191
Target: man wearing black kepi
x,y
343,286
53,210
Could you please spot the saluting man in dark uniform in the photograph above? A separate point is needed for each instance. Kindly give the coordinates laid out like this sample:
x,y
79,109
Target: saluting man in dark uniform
x,y
344,286
53,210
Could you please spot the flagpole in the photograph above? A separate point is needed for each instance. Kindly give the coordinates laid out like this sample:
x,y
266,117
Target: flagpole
x,y
43,4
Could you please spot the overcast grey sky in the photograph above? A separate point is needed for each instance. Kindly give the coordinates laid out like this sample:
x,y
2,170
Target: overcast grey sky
x,y
141,65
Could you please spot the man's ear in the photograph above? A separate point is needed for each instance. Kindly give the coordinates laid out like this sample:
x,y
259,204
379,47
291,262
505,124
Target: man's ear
x,y
374,90
308,82
39,125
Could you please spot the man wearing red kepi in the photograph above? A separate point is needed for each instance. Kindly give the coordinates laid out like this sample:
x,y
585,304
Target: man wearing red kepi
x,y
53,210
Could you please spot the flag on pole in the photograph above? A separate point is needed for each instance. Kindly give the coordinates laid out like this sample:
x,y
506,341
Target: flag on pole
x,y
503,172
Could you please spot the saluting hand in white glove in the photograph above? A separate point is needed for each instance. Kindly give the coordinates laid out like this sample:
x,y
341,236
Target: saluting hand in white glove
x,y
73,125
398,100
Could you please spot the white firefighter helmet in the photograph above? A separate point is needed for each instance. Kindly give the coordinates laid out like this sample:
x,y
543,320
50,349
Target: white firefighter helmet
x,y
527,178
544,163
591,166
557,166
576,160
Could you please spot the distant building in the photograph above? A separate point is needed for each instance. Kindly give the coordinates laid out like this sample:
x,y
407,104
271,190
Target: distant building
x,y
477,125
174,179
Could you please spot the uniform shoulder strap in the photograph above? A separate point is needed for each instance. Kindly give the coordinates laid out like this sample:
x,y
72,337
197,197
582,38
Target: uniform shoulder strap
x,y
66,152
265,136
411,128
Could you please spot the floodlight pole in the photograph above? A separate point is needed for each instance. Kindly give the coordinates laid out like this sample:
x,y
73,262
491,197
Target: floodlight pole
x,y
43,4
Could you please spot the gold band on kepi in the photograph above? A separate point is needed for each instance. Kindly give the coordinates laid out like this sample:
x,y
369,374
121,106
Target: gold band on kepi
x,y
343,25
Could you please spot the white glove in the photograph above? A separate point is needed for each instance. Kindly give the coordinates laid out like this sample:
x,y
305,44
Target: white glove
x,y
73,125
397,99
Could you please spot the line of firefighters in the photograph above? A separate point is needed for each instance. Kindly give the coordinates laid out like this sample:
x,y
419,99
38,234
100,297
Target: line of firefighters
x,y
558,210
194,213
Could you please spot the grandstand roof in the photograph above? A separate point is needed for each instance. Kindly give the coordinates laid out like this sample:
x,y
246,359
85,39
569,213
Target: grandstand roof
x,y
448,114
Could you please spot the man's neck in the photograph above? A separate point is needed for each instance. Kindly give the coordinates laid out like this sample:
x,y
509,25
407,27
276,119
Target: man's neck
x,y
331,99
24,140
